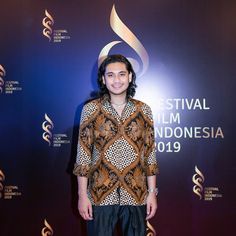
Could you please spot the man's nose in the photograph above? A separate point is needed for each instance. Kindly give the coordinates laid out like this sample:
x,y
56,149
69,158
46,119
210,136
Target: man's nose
x,y
117,77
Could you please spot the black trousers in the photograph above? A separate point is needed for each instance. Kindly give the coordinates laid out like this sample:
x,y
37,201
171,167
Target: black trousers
x,y
105,218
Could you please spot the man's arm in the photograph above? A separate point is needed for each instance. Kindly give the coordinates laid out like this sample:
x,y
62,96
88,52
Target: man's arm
x,y
84,204
151,198
150,161
83,160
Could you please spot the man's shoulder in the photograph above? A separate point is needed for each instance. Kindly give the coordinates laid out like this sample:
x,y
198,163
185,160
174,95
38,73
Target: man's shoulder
x,y
144,107
90,108
93,102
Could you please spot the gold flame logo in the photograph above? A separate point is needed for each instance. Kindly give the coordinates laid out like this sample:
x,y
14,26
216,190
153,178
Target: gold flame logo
x,y
2,178
2,74
47,230
127,36
47,126
47,23
198,179
150,230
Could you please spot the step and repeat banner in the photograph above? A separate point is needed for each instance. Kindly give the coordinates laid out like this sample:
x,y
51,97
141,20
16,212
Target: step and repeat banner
x,y
184,55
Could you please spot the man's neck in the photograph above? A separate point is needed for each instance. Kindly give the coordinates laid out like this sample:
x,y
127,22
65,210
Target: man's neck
x,y
118,99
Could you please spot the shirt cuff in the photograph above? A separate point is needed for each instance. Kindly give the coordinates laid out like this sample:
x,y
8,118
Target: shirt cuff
x,y
81,170
152,169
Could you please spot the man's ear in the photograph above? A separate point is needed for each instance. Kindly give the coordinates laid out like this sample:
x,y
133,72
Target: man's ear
x,y
130,77
103,80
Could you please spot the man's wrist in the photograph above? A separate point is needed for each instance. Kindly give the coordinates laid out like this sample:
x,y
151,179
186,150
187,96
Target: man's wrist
x,y
82,194
153,190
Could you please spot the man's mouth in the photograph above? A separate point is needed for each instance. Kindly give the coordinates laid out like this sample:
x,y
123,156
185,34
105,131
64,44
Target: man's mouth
x,y
117,86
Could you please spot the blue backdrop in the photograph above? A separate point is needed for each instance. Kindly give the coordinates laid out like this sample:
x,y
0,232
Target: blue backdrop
x,y
184,55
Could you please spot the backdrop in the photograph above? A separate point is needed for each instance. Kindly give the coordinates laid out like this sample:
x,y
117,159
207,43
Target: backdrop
x,y
184,54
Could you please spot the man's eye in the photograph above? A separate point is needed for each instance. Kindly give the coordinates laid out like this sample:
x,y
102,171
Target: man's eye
x,y
122,74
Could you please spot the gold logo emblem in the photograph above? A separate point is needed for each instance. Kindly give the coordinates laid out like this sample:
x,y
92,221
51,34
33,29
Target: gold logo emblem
x,y
2,74
127,36
198,179
47,230
47,126
2,178
150,230
47,23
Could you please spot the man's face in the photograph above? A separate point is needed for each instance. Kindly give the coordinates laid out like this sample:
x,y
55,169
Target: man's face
x,y
117,78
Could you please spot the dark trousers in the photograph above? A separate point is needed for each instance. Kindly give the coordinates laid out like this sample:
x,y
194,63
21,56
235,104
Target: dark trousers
x,y
105,218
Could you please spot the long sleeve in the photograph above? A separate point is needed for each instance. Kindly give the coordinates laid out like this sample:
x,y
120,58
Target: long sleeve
x,y
149,143
85,141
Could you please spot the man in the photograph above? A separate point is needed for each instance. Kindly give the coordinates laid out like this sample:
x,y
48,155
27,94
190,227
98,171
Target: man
x,y
116,162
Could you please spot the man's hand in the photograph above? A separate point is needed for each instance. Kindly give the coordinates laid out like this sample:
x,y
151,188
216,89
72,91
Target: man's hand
x,y
151,205
85,207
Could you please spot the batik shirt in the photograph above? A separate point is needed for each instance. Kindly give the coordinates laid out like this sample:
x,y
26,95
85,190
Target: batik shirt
x,y
116,153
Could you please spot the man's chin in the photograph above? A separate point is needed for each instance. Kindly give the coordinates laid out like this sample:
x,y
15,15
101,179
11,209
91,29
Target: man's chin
x,y
117,93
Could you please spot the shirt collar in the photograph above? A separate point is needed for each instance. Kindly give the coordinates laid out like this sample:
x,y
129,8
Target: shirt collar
x,y
106,99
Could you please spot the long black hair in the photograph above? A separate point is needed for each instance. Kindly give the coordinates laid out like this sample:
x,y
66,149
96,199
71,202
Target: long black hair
x,y
102,68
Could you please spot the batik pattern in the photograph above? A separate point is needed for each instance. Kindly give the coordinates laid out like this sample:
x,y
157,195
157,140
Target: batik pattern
x,y
116,153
